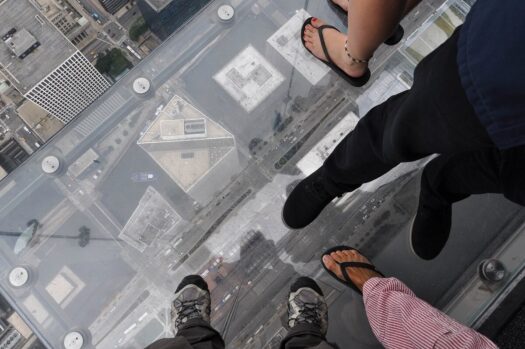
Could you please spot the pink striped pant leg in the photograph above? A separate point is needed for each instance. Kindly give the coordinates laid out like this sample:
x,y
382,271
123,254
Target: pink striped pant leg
x,y
400,320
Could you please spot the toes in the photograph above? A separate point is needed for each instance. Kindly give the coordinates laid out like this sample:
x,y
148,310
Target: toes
x,y
309,45
331,264
336,257
309,30
356,256
340,256
350,255
317,23
310,40
309,33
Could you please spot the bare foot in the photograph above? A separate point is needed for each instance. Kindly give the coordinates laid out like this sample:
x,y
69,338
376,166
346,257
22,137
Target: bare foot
x,y
335,43
341,3
358,275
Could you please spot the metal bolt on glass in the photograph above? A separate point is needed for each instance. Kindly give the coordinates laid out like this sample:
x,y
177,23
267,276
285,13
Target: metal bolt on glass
x,y
492,270
73,340
225,13
18,277
50,164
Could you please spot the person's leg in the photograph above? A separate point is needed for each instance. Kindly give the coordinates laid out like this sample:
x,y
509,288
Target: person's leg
x,y
451,178
197,334
432,117
370,23
307,316
401,320
398,318
512,174
190,313
358,159
302,338
200,335
408,6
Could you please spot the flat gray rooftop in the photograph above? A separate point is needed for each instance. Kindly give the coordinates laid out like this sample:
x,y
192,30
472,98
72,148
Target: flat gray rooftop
x,y
54,48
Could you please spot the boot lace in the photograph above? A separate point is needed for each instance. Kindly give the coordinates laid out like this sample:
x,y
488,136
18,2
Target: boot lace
x,y
187,310
309,313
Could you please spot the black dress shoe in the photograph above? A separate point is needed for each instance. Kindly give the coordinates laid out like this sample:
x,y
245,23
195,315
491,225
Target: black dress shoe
x,y
306,201
430,231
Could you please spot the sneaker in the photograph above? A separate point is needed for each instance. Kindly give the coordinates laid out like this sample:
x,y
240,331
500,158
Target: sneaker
x,y
430,231
306,305
192,301
306,201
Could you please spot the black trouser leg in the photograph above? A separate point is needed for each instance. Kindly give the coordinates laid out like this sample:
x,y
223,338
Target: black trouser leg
x,y
432,117
305,336
359,158
451,178
197,334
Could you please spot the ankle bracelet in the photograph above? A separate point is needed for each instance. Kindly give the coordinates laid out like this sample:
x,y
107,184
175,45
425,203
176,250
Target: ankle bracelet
x,y
354,60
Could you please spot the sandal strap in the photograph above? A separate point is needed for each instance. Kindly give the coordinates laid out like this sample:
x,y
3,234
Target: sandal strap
x,y
345,265
323,43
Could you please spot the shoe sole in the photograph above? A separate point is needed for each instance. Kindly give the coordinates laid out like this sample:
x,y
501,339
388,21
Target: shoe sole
x,y
410,233
284,222
411,227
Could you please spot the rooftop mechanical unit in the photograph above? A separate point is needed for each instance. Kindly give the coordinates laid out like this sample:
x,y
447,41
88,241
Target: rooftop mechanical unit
x,y
21,43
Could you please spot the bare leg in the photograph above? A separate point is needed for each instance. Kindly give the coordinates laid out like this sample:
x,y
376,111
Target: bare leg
x,y
409,6
370,22
335,43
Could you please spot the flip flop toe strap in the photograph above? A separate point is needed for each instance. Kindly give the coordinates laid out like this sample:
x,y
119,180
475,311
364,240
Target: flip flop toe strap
x,y
361,265
323,43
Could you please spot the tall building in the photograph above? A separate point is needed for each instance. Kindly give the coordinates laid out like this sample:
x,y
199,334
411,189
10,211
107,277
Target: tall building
x,y
165,16
68,20
11,155
112,6
195,151
43,65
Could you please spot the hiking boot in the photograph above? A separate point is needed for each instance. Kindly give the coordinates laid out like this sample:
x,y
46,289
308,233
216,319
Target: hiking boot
x,y
192,302
306,305
306,201
430,231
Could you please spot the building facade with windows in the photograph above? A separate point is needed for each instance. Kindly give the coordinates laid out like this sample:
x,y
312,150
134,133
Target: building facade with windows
x,y
43,65
112,6
63,94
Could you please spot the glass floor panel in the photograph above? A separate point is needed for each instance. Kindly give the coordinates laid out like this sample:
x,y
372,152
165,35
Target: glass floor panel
x,y
190,175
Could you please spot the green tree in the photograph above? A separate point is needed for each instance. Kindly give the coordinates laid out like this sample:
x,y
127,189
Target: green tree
x,y
103,63
113,62
138,28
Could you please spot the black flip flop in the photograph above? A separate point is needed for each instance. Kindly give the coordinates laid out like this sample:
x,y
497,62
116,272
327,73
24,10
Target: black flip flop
x,y
347,282
357,82
391,41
